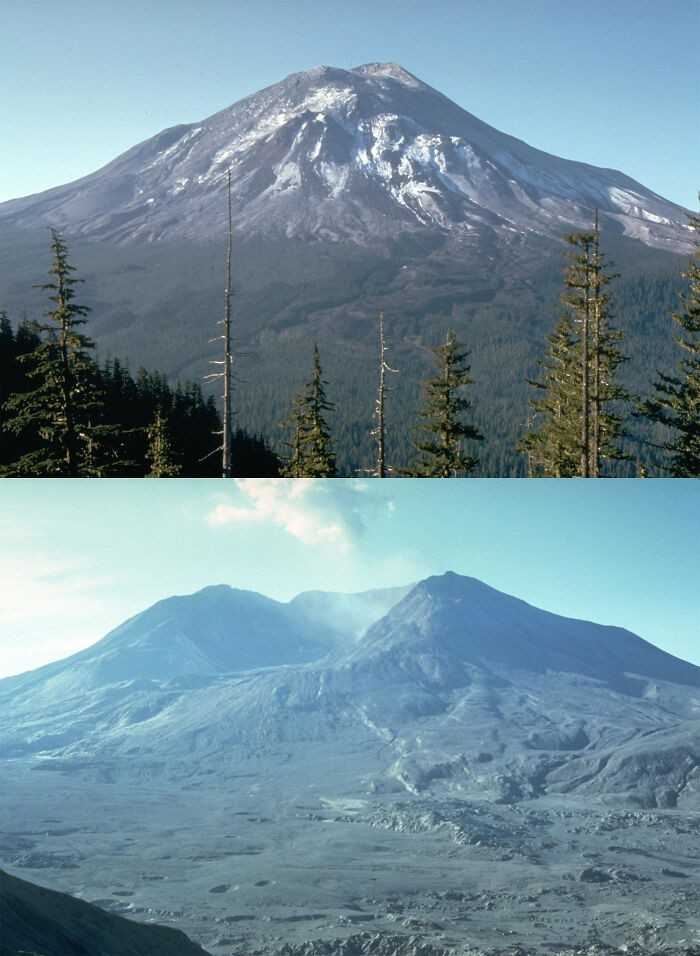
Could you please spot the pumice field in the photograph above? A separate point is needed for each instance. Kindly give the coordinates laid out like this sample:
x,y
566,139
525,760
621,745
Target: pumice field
x,y
436,768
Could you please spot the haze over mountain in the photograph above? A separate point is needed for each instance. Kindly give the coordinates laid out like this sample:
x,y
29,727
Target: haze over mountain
x,y
347,613
361,154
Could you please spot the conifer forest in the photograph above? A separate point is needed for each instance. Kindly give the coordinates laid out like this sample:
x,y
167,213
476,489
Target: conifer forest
x,y
67,412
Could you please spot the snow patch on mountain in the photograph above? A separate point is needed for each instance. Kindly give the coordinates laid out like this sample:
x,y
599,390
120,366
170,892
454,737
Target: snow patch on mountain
x,y
390,71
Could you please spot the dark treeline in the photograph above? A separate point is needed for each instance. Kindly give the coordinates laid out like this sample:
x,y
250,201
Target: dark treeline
x,y
63,414
133,404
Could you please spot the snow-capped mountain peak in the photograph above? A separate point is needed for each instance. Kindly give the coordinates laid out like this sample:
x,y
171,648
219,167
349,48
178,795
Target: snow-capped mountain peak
x,y
360,154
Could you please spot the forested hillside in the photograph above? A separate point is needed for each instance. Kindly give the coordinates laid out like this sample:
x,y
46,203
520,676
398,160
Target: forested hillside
x,y
502,318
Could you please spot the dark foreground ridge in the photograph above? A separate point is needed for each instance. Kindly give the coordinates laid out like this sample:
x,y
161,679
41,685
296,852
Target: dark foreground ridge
x,y
41,922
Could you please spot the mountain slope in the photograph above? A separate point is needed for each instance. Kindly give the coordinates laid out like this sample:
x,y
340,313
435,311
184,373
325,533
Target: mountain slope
x,y
212,632
216,630
360,154
454,670
34,920
467,622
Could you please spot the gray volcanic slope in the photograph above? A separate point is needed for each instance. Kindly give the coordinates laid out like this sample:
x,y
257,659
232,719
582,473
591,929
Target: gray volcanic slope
x,y
214,631
468,622
177,645
355,154
35,920
190,680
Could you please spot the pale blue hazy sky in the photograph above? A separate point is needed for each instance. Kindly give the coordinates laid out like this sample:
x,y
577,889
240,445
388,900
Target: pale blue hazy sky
x,y
611,83
78,557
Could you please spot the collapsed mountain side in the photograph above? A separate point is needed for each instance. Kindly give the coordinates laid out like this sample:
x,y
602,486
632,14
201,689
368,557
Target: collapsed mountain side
x,y
455,690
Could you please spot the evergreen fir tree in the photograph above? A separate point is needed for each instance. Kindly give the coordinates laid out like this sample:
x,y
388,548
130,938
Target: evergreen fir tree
x,y
6,334
13,380
576,424
605,355
8,366
8,358
552,443
160,456
443,428
293,465
676,402
252,457
311,447
64,406
577,297
128,413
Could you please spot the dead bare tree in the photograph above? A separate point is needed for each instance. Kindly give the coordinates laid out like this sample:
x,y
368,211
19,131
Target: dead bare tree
x,y
227,361
379,432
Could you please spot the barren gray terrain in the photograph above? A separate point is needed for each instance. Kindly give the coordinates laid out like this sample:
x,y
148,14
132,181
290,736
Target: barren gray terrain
x,y
470,773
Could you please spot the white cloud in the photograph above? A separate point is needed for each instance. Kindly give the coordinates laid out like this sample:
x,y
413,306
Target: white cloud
x,y
317,512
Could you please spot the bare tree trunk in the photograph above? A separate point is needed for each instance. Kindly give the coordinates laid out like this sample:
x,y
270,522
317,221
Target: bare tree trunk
x,y
66,388
530,466
227,360
381,460
447,442
379,407
226,444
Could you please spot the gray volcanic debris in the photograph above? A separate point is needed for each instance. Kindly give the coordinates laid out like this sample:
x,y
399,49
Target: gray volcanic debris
x,y
443,768
465,689
333,154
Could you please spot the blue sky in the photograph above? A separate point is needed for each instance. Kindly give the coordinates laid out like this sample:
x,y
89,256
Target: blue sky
x,y
78,558
614,84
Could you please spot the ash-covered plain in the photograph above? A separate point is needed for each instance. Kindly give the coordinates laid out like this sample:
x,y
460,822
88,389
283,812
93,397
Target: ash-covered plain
x,y
436,768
